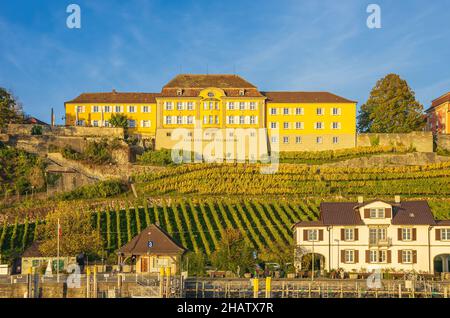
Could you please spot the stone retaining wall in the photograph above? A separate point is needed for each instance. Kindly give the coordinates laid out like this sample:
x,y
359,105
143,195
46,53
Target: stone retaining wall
x,y
443,141
421,141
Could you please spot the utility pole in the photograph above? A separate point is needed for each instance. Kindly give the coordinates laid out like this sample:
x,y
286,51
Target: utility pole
x,y
57,252
313,260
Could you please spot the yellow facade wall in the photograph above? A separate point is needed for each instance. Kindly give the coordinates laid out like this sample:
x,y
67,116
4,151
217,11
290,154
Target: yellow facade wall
x,y
300,126
99,116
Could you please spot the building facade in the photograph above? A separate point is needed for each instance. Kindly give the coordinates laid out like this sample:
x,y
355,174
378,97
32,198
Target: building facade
x,y
438,115
153,250
399,236
221,104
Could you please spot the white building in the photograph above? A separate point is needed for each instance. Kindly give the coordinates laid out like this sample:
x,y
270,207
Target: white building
x,y
391,235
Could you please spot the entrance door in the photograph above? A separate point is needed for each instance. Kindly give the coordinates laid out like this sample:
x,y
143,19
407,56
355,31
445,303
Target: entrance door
x,y
144,264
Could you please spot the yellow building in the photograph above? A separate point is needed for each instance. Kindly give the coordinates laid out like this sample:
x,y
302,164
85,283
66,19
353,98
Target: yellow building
x,y
310,121
291,121
96,109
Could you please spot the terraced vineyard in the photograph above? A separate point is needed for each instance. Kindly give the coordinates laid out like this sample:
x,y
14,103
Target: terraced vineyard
x,y
196,223
317,181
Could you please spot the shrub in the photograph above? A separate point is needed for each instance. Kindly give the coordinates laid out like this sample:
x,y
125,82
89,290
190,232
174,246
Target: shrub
x,y
36,130
118,120
156,157
96,152
103,189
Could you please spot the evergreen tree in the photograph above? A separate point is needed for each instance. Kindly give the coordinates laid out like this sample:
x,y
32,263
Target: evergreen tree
x,y
10,109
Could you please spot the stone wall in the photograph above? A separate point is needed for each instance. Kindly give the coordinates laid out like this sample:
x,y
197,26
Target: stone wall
x,y
443,141
106,132
421,141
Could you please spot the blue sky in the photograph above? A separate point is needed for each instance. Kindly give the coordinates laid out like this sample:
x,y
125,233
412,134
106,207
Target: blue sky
x,y
139,45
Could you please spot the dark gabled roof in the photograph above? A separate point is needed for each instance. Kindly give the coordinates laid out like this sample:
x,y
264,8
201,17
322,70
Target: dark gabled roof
x,y
346,213
339,213
413,213
193,84
304,97
309,224
442,222
163,244
208,80
115,97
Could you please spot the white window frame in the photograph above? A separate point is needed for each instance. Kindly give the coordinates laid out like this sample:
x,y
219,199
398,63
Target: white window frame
x,y
241,105
231,106
274,139
335,125
407,256
318,125
299,111
107,109
169,106
407,234
285,125
179,105
312,235
349,256
336,111
131,109
252,105
273,125
273,111
285,140
285,111
377,213
335,140
190,105
445,234
319,140
299,125
298,139
349,234
320,111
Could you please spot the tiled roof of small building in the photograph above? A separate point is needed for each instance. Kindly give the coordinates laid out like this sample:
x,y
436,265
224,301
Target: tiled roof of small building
x,y
346,213
161,243
304,97
115,97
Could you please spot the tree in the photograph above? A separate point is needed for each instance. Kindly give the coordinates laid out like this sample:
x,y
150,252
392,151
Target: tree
x,y
391,108
77,232
10,109
119,120
233,253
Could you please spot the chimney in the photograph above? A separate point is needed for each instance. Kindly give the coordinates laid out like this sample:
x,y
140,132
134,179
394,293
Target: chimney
x,y
397,199
360,199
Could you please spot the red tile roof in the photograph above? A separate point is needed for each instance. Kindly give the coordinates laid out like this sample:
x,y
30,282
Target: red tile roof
x,y
304,97
115,97
207,80
439,101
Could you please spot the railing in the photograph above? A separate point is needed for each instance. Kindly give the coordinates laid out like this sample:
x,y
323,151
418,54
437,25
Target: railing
x,y
380,242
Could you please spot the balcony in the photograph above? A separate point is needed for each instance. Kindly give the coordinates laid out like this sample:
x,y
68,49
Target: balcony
x,y
386,242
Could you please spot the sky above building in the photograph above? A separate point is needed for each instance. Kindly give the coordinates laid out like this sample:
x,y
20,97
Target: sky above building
x,y
139,45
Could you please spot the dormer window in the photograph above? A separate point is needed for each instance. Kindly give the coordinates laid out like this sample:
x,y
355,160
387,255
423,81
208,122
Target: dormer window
x,y
241,92
179,92
377,213
211,94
